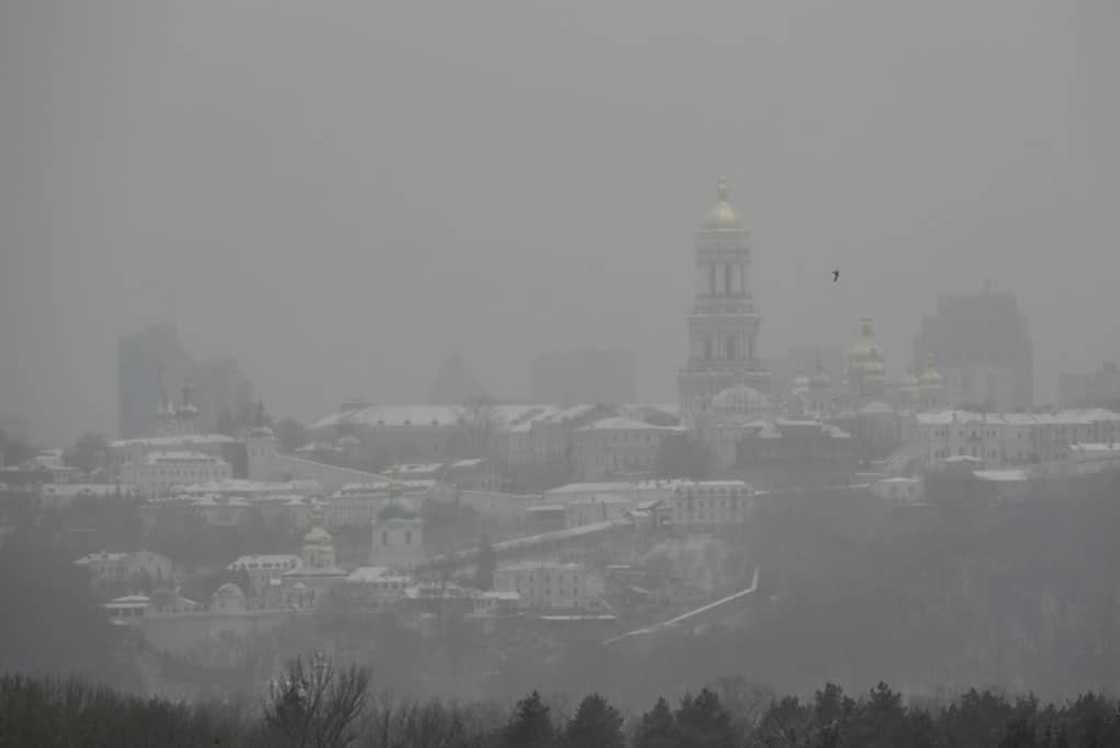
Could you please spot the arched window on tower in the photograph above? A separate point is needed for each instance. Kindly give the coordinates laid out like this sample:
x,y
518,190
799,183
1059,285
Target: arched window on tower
x,y
727,280
731,352
708,348
712,282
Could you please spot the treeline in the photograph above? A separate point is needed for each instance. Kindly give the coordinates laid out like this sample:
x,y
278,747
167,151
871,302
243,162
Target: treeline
x,y
316,704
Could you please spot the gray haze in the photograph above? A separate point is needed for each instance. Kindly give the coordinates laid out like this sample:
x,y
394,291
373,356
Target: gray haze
x,y
340,193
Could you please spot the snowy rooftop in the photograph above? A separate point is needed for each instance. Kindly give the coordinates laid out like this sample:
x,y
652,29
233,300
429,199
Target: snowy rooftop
x,y
185,440
128,601
413,468
607,498
433,415
1062,417
101,556
614,486
265,559
156,458
85,489
541,565
1003,476
366,574
541,508
1096,447
241,486
622,423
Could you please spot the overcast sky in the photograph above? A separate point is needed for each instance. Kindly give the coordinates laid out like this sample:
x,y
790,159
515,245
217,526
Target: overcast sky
x,y
339,193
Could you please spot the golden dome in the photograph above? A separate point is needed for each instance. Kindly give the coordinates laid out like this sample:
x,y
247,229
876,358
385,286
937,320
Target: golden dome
x,y
722,216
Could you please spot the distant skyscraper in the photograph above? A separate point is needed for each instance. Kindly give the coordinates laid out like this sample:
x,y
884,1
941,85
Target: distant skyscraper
x,y
723,326
981,344
591,375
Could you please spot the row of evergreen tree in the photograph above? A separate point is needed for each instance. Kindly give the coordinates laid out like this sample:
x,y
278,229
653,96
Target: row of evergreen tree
x,y
315,704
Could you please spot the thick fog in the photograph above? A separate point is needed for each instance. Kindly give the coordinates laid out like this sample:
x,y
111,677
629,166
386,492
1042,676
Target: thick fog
x,y
340,193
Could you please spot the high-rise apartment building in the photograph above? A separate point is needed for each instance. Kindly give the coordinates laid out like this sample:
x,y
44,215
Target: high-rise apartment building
x,y
981,345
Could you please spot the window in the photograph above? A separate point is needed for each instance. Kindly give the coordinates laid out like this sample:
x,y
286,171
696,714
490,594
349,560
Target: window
x,y
384,537
408,537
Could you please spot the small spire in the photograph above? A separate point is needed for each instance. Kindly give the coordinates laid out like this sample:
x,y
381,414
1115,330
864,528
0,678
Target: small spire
x,y
866,324
723,189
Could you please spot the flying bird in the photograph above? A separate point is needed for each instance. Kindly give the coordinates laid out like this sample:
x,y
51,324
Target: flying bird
x,y
835,275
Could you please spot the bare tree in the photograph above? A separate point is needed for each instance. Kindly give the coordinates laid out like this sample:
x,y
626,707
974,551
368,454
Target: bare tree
x,y
315,705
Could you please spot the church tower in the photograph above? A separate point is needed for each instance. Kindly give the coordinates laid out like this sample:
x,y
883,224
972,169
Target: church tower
x,y
723,325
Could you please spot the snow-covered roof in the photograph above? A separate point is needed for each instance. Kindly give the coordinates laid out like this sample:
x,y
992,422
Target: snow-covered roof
x,y
412,468
157,458
545,508
1059,418
1096,447
601,499
128,601
622,423
367,574
219,501
100,557
541,565
241,486
265,559
184,440
503,415
612,486
568,414
1003,476
85,489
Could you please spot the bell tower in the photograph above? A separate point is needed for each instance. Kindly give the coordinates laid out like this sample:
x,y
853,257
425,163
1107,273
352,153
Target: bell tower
x,y
724,322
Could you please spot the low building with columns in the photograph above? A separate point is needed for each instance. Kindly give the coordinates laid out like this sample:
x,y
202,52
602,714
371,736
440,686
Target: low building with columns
x,y
619,447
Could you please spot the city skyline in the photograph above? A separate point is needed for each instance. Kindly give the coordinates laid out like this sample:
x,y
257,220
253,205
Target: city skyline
x,y
314,244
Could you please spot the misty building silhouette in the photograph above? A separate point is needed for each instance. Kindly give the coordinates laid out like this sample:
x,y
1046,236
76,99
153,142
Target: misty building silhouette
x,y
587,375
983,349
152,364
724,323
455,383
